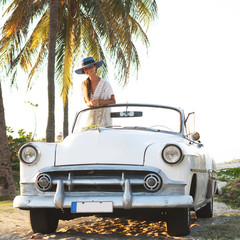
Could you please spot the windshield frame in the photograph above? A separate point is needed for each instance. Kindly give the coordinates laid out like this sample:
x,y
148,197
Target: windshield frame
x,y
180,111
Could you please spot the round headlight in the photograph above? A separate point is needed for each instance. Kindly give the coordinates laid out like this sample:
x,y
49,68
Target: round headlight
x,y
172,154
29,154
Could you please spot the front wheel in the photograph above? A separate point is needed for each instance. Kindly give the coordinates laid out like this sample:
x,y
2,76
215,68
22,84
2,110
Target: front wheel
x,y
178,222
43,220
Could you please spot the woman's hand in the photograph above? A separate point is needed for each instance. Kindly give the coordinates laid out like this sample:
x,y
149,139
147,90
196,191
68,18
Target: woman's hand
x,y
95,102
101,102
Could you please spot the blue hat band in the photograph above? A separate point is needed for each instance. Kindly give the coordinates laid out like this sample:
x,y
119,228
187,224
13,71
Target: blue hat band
x,y
88,62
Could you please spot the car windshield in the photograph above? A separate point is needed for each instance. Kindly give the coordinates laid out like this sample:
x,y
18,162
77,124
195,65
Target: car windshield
x,y
142,117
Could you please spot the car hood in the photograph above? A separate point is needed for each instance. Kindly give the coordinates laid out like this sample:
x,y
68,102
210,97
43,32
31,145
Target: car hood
x,y
108,146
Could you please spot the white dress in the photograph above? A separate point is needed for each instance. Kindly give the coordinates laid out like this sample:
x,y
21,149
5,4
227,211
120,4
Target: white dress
x,y
100,117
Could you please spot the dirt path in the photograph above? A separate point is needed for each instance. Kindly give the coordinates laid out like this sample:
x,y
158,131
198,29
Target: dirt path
x,y
14,225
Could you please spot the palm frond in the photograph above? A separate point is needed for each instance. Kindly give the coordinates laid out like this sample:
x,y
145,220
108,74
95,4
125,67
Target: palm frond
x,y
40,33
35,71
106,30
14,46
144,11
137,32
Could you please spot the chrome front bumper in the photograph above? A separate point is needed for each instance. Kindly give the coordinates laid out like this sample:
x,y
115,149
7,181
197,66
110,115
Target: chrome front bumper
x,y
28,202
125,200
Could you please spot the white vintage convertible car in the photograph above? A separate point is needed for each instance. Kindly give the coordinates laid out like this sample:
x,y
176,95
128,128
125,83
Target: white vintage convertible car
x,y
120,159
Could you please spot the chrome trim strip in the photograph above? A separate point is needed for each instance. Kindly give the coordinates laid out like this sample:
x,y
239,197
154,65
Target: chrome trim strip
x,y
97,181
69,182
212,171
199,170
90,167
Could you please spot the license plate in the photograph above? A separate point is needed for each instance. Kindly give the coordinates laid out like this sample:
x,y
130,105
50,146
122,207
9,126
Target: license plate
x,y
92,207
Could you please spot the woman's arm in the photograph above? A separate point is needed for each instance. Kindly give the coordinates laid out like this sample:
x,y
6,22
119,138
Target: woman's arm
x,y
106,102
102,102
89,104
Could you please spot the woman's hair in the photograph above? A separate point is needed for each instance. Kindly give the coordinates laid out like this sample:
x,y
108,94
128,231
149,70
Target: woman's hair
x,y
87,86
87,89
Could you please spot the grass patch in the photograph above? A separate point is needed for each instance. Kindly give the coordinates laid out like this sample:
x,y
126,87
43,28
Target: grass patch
x,y
6,205
2,198
229,174
231,192
227,229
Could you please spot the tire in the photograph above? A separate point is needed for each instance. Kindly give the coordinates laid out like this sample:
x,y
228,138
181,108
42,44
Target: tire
x,y
43,220
206,211
178,222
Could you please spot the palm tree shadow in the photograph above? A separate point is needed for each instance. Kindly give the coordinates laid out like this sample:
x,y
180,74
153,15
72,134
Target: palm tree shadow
x,y
121,227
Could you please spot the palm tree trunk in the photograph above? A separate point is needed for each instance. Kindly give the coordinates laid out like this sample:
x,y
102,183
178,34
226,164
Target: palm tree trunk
x,y
7,187
65,118
50,132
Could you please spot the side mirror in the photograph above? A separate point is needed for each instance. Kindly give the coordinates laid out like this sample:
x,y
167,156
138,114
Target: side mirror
x,y
60,137
195,136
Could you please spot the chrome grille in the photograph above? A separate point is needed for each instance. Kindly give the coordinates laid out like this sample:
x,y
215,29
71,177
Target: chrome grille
x,y
100,180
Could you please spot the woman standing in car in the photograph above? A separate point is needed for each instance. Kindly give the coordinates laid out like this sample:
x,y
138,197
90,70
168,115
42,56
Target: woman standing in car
x,y
96,92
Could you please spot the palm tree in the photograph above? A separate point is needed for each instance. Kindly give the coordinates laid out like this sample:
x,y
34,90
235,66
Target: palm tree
x,y
7,187
50,132
104,29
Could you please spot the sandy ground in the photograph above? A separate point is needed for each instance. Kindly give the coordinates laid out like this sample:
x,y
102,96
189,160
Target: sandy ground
x,y
14,224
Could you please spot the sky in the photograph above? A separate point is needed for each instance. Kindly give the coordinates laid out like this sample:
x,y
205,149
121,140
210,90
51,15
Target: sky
x,y
193,63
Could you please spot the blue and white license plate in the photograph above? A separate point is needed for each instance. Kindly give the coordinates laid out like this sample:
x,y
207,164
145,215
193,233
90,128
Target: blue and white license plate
x,y
92,207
